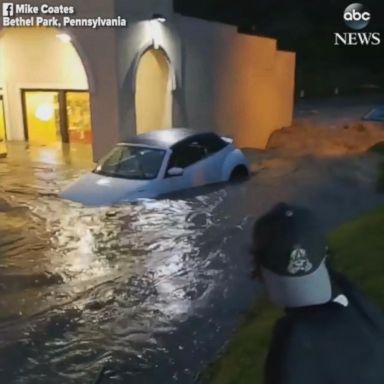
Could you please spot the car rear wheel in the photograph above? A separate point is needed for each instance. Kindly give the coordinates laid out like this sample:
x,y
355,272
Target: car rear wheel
x,y
239,174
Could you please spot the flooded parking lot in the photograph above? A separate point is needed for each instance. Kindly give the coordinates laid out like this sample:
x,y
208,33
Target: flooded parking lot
x,y
151,290
130,287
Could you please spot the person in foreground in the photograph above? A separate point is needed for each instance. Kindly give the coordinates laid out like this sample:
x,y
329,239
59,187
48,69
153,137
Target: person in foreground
x,y
331,333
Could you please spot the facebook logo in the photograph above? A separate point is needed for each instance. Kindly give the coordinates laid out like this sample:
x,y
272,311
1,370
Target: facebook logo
x,y
8,9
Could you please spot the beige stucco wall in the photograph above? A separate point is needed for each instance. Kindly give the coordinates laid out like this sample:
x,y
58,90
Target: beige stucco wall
x,y
222,81
236,84
255,89
231,83
1,65
133,42
100,50
97,49
51,65
153,93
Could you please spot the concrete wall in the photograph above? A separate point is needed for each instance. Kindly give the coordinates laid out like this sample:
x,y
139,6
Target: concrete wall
x,y
235,84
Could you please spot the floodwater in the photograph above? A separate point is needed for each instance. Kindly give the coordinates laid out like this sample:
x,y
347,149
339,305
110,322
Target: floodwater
x,y
153,290
150,290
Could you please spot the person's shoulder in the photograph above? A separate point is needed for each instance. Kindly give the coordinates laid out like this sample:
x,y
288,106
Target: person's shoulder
x,y
359,303
286,331
284,327
288,360
306,325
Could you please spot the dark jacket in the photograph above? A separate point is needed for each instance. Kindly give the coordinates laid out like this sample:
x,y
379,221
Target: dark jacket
x,y
330,343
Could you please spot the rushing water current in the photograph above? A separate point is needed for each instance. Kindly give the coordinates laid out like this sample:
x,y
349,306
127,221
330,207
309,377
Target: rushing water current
x,y
150,290
153,290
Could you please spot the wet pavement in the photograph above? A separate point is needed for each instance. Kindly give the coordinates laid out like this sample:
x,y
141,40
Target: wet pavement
x,y
151,290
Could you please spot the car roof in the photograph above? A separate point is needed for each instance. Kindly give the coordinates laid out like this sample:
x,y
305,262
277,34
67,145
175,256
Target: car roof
x,y
165,137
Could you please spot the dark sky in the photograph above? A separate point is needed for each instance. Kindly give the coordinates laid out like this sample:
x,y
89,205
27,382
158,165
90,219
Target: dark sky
x,y
291,21
306,27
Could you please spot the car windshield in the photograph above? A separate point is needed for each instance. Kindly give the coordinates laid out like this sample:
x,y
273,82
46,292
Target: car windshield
x,y
132,162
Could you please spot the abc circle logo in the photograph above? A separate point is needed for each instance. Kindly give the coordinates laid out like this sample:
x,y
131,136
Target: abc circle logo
x,y
357,16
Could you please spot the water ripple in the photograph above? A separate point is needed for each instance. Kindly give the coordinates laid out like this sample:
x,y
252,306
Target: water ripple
x,y
81,288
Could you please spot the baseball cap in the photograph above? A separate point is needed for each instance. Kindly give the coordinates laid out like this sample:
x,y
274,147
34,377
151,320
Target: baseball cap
x,y
290,249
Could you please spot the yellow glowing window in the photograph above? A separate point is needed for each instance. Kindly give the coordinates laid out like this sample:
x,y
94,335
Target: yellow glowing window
x,y
42,117
78,117
57,116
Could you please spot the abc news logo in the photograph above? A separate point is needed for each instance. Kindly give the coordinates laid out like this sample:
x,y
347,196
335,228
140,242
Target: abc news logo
x,y
357,17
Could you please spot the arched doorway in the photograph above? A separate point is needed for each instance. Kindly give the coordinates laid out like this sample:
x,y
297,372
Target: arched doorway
x,y
45,87
153,96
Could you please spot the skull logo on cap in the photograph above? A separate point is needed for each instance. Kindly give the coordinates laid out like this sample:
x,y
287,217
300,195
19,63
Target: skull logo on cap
x,y
299,261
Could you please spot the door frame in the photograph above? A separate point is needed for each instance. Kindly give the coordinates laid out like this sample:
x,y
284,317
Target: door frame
x,y
4,120
62,99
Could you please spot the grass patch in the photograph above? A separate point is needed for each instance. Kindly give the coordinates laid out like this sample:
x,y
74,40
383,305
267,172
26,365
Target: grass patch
x,y
380,179
359,253
243,360
358,247
378,148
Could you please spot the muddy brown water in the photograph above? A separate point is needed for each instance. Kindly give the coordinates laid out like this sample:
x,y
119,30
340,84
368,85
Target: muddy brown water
x,y
151,290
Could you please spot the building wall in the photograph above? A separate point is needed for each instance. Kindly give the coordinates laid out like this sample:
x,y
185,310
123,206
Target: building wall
x,y
100,50
133,42
200,46
97,49
236,84
224,81
1,64
51,65
153,93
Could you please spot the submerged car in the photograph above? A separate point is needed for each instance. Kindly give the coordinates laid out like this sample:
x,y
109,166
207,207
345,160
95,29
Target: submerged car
x,y
158,163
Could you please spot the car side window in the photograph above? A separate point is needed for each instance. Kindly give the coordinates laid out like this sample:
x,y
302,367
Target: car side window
x,y
213,143
187,154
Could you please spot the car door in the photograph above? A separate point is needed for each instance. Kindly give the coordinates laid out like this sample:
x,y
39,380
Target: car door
x,y
202,159
187,156
195,169
216,152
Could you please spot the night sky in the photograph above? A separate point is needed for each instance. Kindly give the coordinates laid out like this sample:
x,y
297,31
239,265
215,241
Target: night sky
x,y
285,19
304,26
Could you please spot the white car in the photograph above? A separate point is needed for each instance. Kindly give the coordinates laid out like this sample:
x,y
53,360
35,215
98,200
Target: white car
x,y
158,163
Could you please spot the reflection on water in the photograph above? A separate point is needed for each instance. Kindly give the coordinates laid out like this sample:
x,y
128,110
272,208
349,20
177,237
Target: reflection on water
x,y
153,290
126,286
